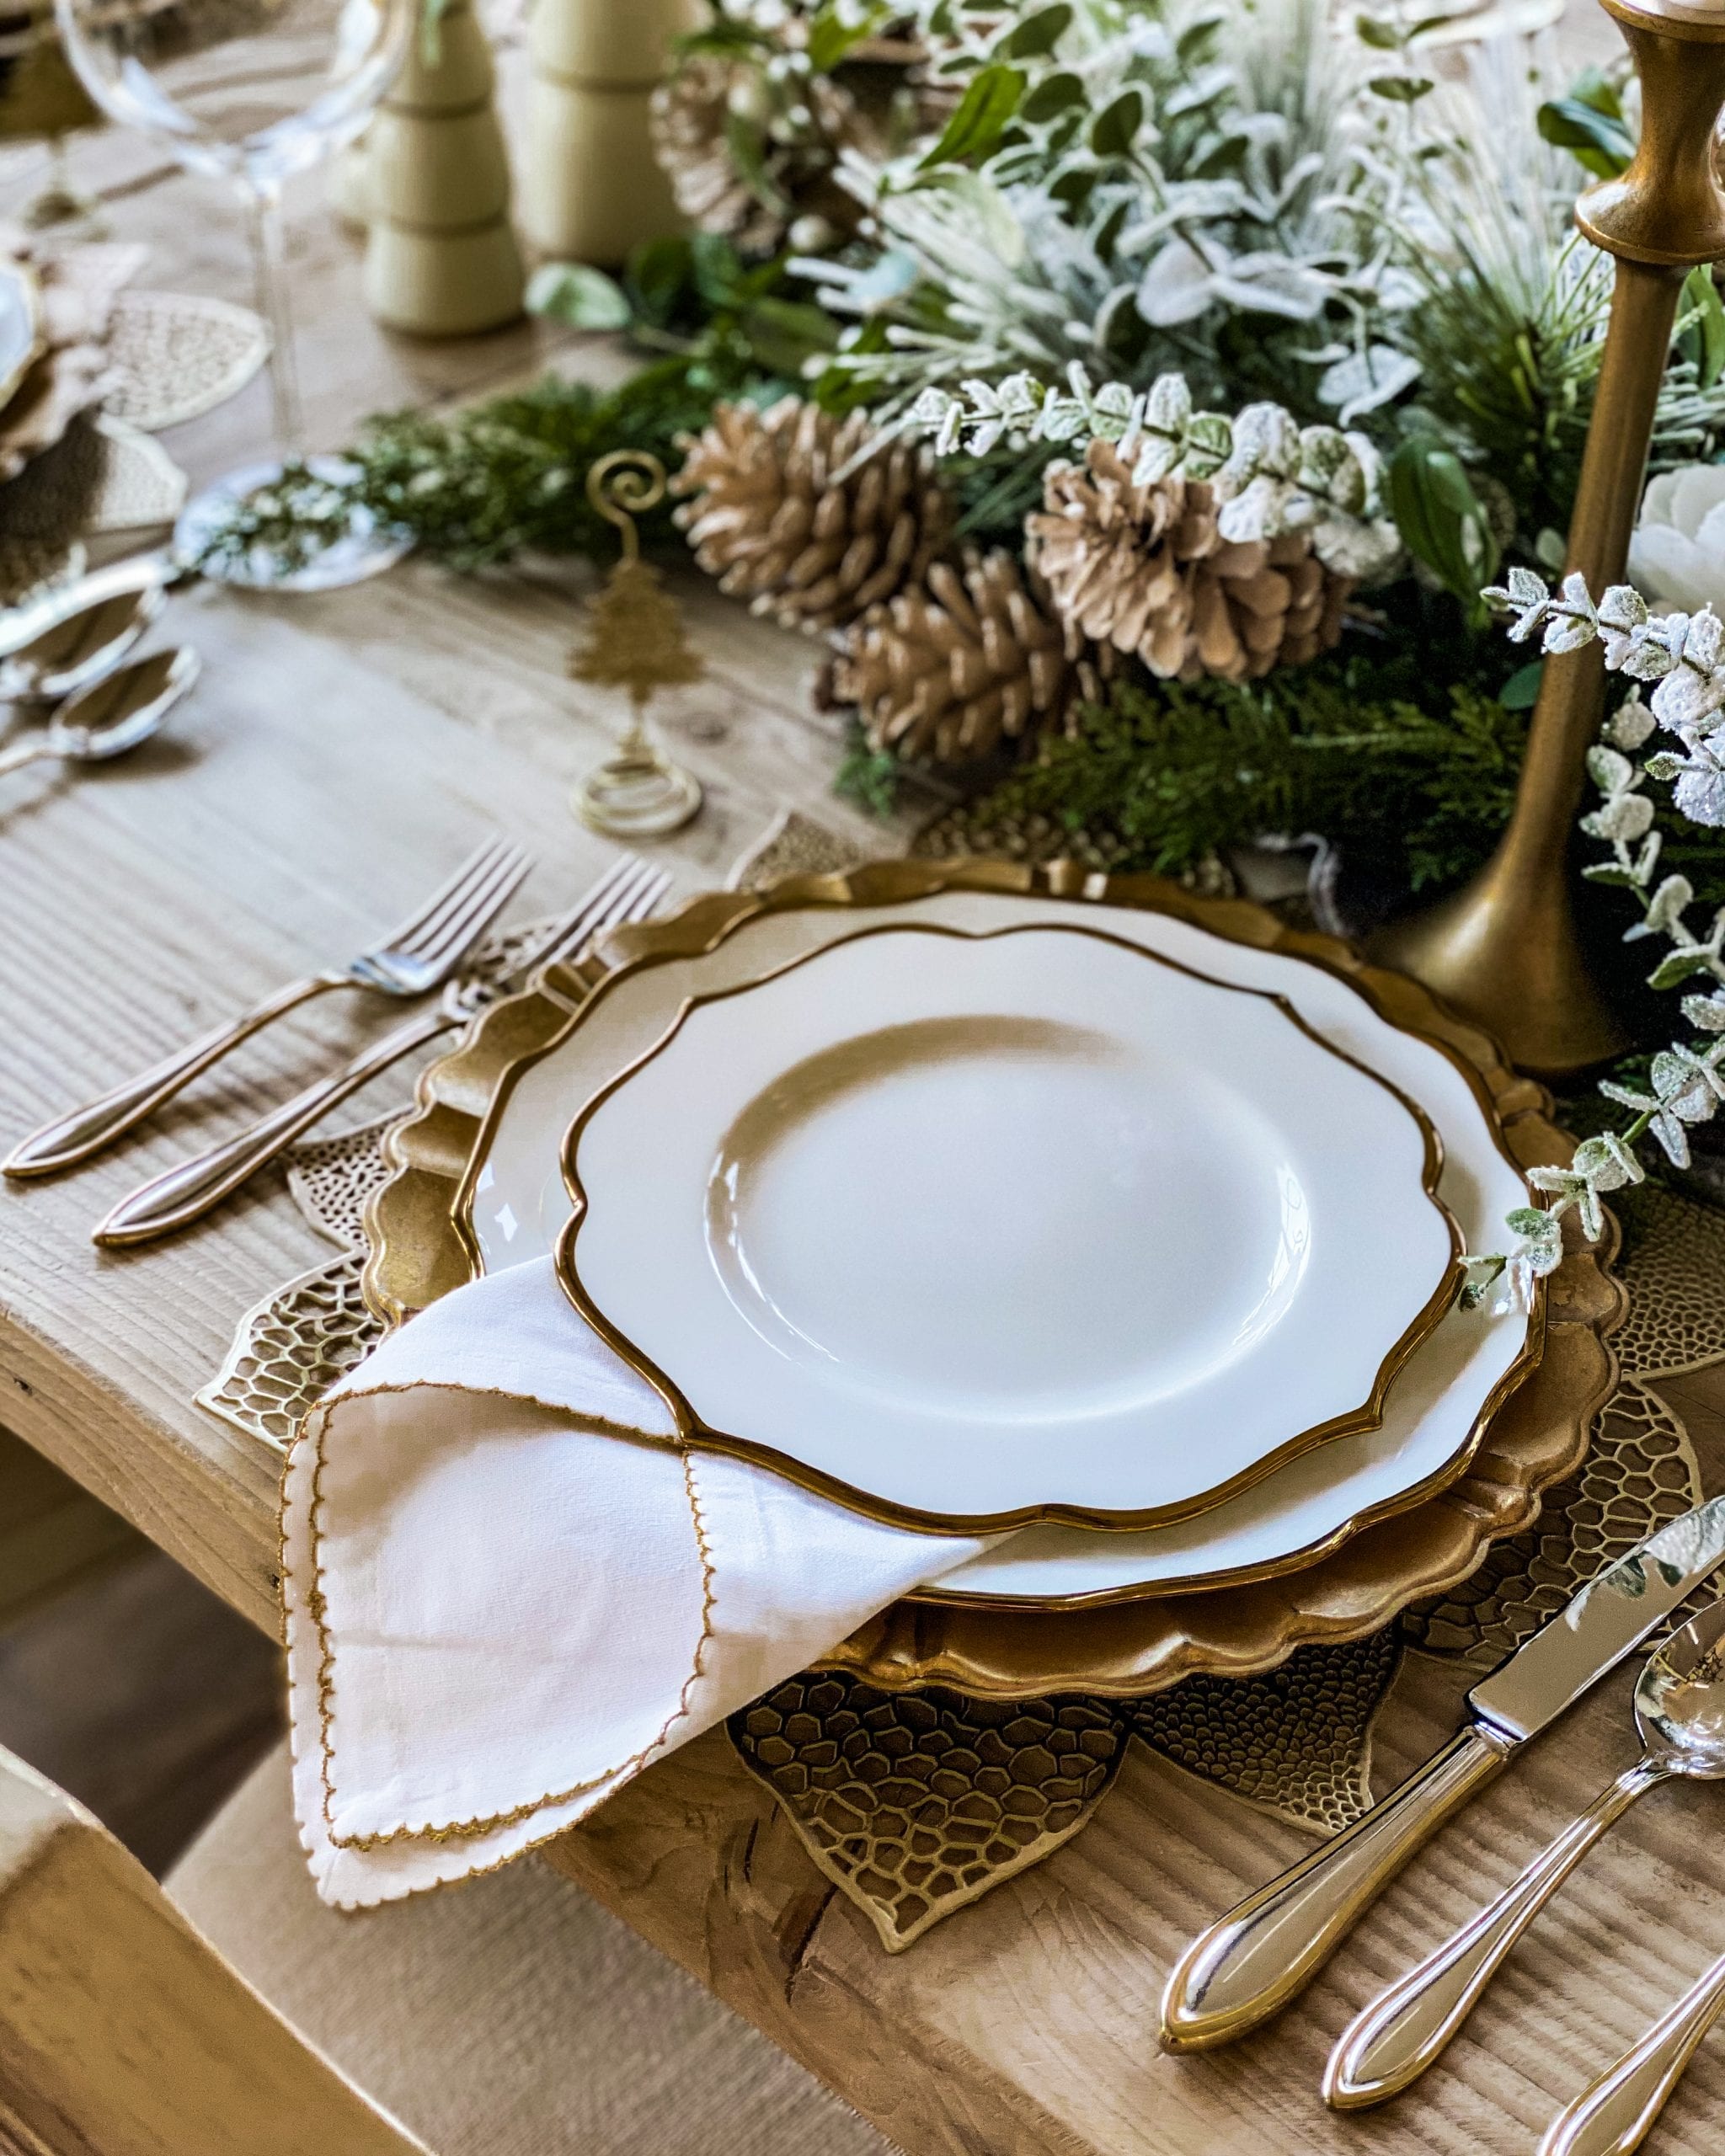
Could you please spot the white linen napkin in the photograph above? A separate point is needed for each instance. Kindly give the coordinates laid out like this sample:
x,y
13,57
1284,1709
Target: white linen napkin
x,y
504,1598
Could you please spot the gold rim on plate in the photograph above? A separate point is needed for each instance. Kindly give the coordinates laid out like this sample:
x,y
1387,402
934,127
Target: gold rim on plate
x,y
692,1429
422,1246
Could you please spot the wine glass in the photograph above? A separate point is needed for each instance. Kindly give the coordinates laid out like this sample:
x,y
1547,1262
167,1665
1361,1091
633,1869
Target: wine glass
x,y
254,92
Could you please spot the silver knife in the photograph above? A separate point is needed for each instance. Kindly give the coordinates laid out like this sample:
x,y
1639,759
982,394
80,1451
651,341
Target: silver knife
x,y
1253,1961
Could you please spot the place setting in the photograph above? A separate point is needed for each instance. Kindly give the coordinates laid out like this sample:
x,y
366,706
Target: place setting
x,y
983,1275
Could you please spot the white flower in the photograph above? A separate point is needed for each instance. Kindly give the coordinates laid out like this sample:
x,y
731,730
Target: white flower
x,y
1677,555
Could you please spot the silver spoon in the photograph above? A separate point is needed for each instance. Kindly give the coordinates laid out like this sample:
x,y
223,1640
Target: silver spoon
x,y
113,715
1679,1710
81,649
23,624
1615,2113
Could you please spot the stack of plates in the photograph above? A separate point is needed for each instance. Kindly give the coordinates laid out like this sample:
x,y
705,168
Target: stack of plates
x,y
984,1209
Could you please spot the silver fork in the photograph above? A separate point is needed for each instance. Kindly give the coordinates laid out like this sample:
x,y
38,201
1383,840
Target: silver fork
x,y
629,890
412,960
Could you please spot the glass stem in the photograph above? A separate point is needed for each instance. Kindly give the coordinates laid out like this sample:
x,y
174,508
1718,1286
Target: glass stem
x,y
270,261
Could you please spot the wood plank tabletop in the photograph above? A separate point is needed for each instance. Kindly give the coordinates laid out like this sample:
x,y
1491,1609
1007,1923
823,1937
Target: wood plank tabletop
x,y
340,754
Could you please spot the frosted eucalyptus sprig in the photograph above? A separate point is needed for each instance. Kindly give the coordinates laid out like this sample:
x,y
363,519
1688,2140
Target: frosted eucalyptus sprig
x,y
1270,474
1684,655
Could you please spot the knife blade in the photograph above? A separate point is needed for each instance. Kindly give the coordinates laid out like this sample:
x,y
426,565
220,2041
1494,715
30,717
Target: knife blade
x,y
1251,1962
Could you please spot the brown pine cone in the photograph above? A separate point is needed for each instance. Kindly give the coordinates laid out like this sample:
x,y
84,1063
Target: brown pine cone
x,y
1142,567
772,521
957,664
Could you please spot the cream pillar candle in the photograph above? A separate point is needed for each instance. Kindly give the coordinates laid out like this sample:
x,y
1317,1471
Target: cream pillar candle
x,y
440,256
592,188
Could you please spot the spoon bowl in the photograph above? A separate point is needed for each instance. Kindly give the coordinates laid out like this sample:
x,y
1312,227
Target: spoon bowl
x,y
78,650
1680,1699
113,715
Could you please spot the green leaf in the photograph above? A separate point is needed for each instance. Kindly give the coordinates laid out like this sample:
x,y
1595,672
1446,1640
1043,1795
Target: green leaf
x,y
1599,140
831,37
745,143
1678,966
656,276
1400,89
1382,37
718,271
1117,124
583,297
1609,872
1520,692
1053,96
975,129
1593,87
1038,35
1705,332
1442,521
783,333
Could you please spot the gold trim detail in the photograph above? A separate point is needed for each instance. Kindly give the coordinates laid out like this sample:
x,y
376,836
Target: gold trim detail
x,y
419,1228
693,1430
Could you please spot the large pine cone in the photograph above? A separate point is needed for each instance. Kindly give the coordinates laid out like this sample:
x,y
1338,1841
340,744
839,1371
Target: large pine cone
x,y
776,524
954,665
1143,568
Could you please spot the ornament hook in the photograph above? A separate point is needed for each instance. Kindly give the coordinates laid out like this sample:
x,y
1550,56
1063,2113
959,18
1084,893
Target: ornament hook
x,y
625,484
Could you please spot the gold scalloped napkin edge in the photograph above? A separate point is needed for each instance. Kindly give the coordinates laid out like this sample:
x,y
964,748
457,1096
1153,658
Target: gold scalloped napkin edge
x,y
507,1590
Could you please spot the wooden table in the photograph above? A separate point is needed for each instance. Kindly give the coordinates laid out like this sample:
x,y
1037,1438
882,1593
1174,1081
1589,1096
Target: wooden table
x,y
341,752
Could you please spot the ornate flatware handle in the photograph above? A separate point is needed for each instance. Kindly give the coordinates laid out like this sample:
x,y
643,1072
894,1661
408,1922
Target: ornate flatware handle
x,y
1263,1954
183,1194
82,1132
1406,2028
1613,2114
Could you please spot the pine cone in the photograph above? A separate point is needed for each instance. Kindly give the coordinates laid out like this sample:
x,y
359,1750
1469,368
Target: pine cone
x,y
693,117
776,526
1143,568
954,665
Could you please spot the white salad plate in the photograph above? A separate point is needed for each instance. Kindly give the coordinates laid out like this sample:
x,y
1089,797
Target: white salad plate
x,y
519,1204
975,1230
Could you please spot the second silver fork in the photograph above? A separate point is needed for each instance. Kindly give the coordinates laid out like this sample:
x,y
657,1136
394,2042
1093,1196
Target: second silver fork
x,y
629,890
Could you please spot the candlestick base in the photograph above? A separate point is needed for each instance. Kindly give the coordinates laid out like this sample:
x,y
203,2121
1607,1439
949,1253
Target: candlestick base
x,y
1509,958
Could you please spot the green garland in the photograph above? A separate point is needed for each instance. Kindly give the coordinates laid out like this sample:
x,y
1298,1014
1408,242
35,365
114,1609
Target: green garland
x,y
1181,770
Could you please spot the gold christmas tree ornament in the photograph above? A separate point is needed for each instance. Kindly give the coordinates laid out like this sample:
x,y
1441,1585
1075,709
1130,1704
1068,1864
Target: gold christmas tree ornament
x,y
634,641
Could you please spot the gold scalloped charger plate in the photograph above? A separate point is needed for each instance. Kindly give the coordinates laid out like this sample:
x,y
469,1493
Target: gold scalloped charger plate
x,y
422,1247
1437,1407
972,1230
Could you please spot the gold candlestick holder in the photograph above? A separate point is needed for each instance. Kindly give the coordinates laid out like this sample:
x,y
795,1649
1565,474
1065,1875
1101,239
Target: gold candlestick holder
x,y
1505,948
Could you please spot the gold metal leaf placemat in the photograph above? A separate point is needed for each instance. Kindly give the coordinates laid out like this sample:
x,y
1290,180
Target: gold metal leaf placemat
x,y
1641,1471
1295,1741
290,1348
916,1803
1674,1266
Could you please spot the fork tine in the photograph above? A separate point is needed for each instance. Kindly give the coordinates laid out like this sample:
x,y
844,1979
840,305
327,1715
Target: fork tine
x,y
463,929
443,934
405,937
614,899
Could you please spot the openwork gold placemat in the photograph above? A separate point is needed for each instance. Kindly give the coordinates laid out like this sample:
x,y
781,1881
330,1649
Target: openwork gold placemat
x,y
916,1804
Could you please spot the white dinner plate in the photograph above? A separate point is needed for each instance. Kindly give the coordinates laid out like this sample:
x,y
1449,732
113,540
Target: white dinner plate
x,y
519,1204
978,1231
